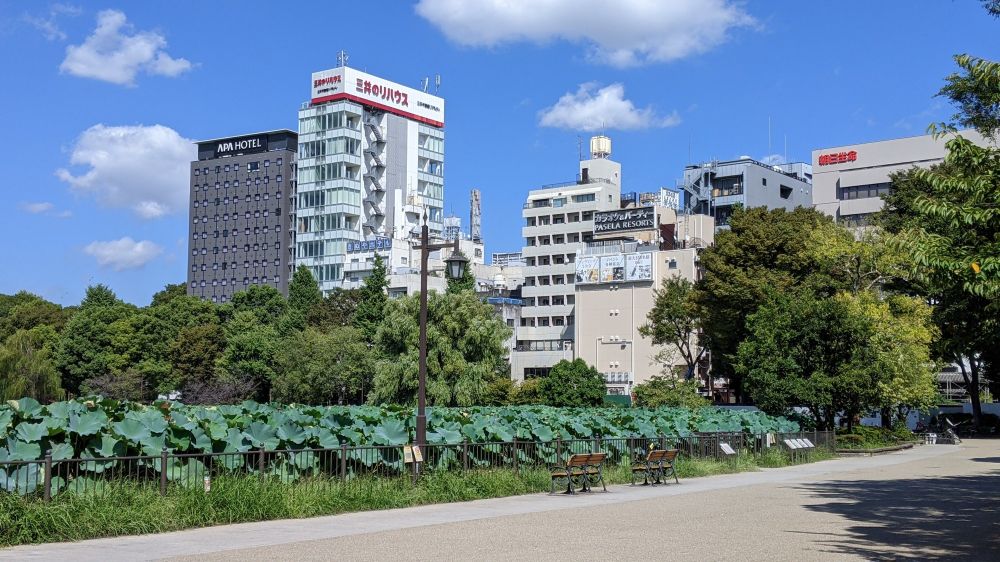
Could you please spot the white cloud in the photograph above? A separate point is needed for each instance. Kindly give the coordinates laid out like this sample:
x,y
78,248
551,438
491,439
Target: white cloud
x,y
622,33
124,253
592,109
141,168
48,25
35,208
773,159
115,54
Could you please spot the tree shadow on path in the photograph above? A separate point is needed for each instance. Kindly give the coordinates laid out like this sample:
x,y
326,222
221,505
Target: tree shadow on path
x,y
937,518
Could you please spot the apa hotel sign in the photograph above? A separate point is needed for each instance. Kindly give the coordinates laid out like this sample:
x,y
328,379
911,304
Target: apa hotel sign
x,y
642,218
241,145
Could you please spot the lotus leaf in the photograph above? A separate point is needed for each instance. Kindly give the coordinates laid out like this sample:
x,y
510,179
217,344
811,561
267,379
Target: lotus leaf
x,y
21,451
89,423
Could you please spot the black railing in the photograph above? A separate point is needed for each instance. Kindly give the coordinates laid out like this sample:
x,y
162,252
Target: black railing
x,y
47,477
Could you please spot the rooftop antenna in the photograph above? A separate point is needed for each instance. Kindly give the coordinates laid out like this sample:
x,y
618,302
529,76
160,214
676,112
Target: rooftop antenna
x,y
579,147
425,82
437,83
786,148
342,58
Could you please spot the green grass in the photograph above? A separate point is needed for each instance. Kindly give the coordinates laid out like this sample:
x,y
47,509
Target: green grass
x,y
128,508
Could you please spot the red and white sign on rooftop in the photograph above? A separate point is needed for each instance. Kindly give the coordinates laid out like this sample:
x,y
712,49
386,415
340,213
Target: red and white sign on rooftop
x,y
350,84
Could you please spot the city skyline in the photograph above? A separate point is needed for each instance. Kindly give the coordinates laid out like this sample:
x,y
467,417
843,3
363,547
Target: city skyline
x,y
135,85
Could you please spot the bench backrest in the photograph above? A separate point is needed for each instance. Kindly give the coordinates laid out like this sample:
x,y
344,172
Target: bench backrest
x,y
586,459
662,455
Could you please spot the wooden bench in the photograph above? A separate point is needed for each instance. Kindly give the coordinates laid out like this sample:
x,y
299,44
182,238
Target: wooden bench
x,y
658,465
583,468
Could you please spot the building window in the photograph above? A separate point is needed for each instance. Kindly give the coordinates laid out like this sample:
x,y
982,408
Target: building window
x,y
855,221
727,185
865,191
786,191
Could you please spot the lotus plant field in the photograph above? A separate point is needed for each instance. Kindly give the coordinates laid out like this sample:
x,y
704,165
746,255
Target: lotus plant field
x,y
98,431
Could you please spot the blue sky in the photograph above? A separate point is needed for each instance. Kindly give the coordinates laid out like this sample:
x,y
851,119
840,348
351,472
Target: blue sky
x,y
86,83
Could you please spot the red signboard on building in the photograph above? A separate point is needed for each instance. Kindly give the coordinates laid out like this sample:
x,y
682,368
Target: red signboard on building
x,y
838,158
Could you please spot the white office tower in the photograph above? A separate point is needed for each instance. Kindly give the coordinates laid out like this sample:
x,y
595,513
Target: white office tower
x,y
371,165
558,220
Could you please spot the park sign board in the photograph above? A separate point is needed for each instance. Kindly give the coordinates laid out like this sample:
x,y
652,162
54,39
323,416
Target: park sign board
x,y
624,220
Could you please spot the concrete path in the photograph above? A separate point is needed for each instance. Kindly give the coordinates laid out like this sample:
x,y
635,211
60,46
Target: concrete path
x,y
929,502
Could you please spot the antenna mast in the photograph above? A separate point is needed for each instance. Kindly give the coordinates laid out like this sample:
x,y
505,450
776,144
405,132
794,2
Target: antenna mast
x,y
475,216
342,58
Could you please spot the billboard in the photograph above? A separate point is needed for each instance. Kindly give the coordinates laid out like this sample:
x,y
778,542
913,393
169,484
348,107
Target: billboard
x,y
587,269
642,218
670,199
347,83
612,268
639,267
240,145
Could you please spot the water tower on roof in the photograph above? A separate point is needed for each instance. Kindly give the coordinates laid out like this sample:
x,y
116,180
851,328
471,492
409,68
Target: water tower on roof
x,y
600,147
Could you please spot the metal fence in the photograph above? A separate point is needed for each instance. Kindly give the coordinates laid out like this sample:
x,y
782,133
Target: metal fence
x,y
48,477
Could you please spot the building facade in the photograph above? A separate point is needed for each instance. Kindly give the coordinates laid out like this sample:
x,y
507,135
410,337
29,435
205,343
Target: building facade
x,y
503,259
557,219
371,167
241,211
716,188
849,180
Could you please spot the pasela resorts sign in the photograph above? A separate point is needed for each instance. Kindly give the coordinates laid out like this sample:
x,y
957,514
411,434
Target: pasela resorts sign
x,y
241,145
642,218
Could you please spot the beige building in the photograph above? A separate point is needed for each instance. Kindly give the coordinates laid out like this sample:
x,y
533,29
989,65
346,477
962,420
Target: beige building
x,y
848,181
617,275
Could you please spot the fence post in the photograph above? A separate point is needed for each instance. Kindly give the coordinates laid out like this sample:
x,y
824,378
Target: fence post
x,y
260,463
48,475
558,450
597,444
663,442
465,454
517,469
163,471
343,462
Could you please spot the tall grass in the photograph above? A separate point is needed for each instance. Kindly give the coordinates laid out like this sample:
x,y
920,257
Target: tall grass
x,y
129,508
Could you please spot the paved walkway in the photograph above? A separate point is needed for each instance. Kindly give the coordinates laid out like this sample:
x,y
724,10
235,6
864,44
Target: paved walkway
x,y
929,502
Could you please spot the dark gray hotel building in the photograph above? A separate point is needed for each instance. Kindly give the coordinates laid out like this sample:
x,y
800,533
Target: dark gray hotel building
x,y
242,194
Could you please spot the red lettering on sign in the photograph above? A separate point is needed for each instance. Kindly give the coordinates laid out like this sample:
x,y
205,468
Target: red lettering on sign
x,y
837,158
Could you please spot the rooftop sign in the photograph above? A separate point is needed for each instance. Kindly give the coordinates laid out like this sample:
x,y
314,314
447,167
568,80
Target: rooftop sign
x,y
642,218
347,83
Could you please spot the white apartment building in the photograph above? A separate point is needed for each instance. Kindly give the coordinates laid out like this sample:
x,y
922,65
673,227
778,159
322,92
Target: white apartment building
x,y
370,167
848,181
557,220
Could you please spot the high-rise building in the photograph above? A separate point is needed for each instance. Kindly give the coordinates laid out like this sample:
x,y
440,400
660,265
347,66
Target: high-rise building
x,y
850,180
242,189
557,219
370,168
716,188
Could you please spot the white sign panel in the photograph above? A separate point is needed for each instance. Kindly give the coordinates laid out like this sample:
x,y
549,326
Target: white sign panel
x,y
612,268
670,199
639,267
367,89
587,270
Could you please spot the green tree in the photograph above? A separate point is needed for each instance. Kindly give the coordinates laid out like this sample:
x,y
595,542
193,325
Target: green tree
x,y
948,219
527,393
85,347
303,291
265,302
763,251
25,311
467,282
675,323
573,383
194,352
337,309
26,367
169,292
500,392
669,391
251,353
314,367
466,350
372,301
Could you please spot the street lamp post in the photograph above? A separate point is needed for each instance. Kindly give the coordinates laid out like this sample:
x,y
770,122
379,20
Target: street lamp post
x,y
454,269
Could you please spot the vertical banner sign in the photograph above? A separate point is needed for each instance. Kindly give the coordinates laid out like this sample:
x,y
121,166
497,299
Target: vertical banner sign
x,y
587,269
639,267
612,268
